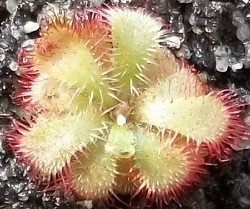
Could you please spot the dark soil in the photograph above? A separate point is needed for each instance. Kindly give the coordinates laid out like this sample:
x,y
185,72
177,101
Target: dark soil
x,y
200,26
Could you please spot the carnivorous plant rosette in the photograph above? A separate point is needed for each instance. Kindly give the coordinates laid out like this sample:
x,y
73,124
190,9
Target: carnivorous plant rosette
x,y
112,111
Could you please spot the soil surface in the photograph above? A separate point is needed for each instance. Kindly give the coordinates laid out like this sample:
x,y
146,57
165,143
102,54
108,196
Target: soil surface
x,y
214,36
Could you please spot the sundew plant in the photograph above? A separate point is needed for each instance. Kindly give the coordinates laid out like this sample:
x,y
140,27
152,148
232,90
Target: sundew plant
x,y
111,111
